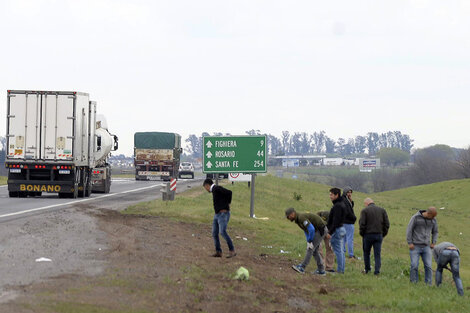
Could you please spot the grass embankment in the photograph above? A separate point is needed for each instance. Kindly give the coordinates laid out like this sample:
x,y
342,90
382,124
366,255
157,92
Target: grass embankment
x,y
391,291
3,180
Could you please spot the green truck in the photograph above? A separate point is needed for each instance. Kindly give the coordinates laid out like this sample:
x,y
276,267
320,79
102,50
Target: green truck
x,y
156,155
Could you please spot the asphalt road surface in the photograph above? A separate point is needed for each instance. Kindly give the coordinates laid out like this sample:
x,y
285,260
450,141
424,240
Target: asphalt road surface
x,y
124,192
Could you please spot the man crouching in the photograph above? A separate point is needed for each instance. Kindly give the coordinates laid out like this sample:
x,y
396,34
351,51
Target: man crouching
x,y
314,229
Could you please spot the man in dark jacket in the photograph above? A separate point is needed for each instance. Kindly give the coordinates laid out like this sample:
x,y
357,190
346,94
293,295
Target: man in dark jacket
x,y
329,256
314,229
221,198
349,220
373,227
418,235
336,231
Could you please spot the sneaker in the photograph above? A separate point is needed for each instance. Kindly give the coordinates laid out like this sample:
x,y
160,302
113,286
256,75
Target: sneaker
x,y
364,272
217,254
352,256
320,273
298,268
331,271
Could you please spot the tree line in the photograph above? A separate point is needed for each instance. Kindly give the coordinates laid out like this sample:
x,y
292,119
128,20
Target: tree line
x,y
428,165
303,143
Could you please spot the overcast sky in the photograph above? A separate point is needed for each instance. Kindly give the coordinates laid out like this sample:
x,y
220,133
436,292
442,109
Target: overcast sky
x,y
345,67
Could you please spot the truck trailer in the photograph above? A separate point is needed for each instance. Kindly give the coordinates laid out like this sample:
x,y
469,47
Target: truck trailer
x,y
156,155
105,143
52,143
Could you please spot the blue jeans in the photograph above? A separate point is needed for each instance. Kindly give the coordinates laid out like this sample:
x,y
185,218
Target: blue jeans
x,y
349,239
425,254
336,242
369,241
449,256
219,225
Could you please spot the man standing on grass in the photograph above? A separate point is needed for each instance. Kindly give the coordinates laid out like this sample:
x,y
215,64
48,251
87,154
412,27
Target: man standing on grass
x,y
336,231
349,220
447,253
222,198
314,229
418,235
329,257
373,227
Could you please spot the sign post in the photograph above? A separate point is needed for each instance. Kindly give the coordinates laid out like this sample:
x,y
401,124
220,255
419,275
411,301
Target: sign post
x,y
235,154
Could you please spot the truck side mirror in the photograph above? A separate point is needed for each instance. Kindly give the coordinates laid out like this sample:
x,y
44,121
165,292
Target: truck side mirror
x,y
98,143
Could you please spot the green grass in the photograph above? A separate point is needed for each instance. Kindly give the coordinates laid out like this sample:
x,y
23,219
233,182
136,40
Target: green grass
x,y
3,180
392,291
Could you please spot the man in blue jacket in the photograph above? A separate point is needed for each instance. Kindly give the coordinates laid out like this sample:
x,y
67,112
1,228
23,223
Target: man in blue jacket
x,y
221,198
314,229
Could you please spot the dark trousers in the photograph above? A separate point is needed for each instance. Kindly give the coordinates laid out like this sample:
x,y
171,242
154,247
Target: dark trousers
x,y
369,241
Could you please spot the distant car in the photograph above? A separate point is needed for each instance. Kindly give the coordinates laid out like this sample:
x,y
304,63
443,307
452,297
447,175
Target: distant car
x,y
186,168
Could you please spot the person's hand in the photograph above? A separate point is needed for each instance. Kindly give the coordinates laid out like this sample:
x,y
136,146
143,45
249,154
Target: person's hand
x,y
310,245
328,236
411,246
432,246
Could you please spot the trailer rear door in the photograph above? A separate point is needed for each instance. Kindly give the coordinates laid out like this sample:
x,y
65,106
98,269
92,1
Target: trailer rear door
x,y
23,122
57,126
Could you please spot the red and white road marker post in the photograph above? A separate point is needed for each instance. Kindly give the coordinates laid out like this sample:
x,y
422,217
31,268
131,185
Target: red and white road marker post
x,y
170,189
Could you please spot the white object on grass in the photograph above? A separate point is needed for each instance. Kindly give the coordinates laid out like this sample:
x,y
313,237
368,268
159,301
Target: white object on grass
x,y
43,260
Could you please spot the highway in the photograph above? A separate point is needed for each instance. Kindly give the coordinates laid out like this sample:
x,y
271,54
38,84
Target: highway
x,y
124,192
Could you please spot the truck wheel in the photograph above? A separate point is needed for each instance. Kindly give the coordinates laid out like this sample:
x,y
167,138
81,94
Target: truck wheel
x,y
107,186
13,194
192,176
22,194
88,190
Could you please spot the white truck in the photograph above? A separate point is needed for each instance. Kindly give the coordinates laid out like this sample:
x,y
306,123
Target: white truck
x,y
53,143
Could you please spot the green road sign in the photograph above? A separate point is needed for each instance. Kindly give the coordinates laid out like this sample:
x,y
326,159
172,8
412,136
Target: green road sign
x,y
234,154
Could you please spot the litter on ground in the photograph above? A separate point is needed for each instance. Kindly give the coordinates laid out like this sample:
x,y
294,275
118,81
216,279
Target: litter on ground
x,y
242,274
43,260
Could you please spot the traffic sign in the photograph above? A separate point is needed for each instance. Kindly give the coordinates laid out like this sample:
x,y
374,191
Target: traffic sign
x,y
234,154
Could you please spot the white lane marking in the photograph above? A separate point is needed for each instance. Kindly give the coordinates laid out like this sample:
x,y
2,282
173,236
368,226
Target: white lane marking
x,y
3,186
77,201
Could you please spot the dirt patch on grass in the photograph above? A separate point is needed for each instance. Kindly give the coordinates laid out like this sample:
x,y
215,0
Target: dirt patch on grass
x,y
157,265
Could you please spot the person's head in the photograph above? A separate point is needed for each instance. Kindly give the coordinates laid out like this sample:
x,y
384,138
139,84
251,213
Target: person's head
x,y
368,201
291,214
348,192
430,213
334,193
207,184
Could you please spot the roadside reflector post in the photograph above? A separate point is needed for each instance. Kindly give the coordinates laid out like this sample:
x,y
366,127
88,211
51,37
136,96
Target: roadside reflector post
x,y
165,191
252,201
172,190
